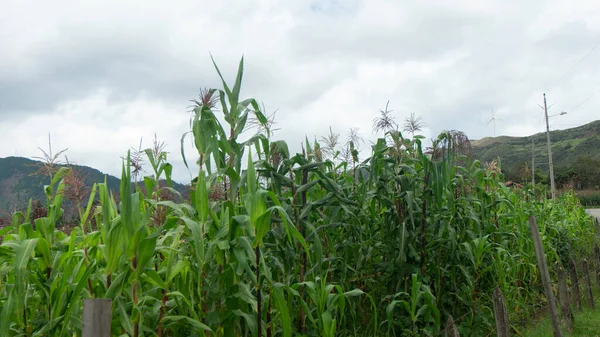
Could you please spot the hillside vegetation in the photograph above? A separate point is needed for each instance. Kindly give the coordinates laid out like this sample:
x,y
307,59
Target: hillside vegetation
x,y
575,153
22,179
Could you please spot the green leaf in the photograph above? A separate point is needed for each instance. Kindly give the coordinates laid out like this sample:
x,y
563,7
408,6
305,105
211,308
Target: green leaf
x,y
307,186
198,239
182,149
23,253
125,320
238,81
6,313
353,293
282,307
197,325
89,206
309,166
179,295
154,278
150,185
126,208
117,284
145,251
81,283
328,324
241,124
168,169
221,77
201,197
246,295
282,148
250,320
175,270
251,175
263,225
43,249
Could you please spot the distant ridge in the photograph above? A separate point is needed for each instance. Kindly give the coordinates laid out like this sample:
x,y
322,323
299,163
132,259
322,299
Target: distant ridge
x,y
19,183
568,147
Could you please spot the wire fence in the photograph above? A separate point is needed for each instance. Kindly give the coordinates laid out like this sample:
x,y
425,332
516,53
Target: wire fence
x,y
593,271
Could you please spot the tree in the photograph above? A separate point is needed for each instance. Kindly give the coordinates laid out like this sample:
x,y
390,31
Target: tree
x,y
587,173
564,177
452,140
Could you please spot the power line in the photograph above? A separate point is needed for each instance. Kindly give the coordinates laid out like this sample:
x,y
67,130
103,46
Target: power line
x,y
573,67
585,100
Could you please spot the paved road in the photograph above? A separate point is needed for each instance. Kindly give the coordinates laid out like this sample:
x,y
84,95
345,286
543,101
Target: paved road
x,y
594,211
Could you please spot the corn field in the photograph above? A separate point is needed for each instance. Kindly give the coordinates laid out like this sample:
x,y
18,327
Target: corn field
x,y
275,244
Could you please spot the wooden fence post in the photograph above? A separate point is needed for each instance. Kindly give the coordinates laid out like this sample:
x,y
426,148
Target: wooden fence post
x,y
563,295
501,314
451,330
575,285
97,316
539,251
588,282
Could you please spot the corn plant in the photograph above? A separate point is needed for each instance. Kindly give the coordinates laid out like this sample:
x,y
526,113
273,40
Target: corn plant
x,y
308,244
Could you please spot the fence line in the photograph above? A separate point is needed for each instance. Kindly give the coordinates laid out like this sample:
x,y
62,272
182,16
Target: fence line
x,y
567,319
541,258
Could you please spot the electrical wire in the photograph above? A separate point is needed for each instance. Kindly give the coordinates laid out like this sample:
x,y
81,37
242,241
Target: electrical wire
x,y
585,100
573,67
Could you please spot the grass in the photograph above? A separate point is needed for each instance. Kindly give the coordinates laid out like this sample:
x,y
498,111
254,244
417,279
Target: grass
x,y
586,322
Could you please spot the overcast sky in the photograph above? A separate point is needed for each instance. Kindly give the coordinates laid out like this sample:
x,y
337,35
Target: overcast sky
x,y
100,75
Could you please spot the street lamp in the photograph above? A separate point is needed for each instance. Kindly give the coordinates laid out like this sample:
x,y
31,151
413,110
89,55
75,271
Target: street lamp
x,y
560,114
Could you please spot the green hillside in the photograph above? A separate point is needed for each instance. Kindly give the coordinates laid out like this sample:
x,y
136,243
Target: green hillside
x,y
19,182
575,151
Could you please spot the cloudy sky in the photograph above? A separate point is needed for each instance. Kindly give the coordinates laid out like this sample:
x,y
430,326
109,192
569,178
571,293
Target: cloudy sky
x,y
100,75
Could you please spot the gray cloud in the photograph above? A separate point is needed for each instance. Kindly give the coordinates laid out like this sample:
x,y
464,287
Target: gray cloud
x,y
116,72
77,65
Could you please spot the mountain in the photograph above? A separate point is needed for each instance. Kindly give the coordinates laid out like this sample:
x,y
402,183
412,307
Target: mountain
x,y
19,182
575,153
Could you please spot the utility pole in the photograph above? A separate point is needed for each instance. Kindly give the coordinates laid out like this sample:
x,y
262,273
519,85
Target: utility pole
x,y
532,162
549,150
